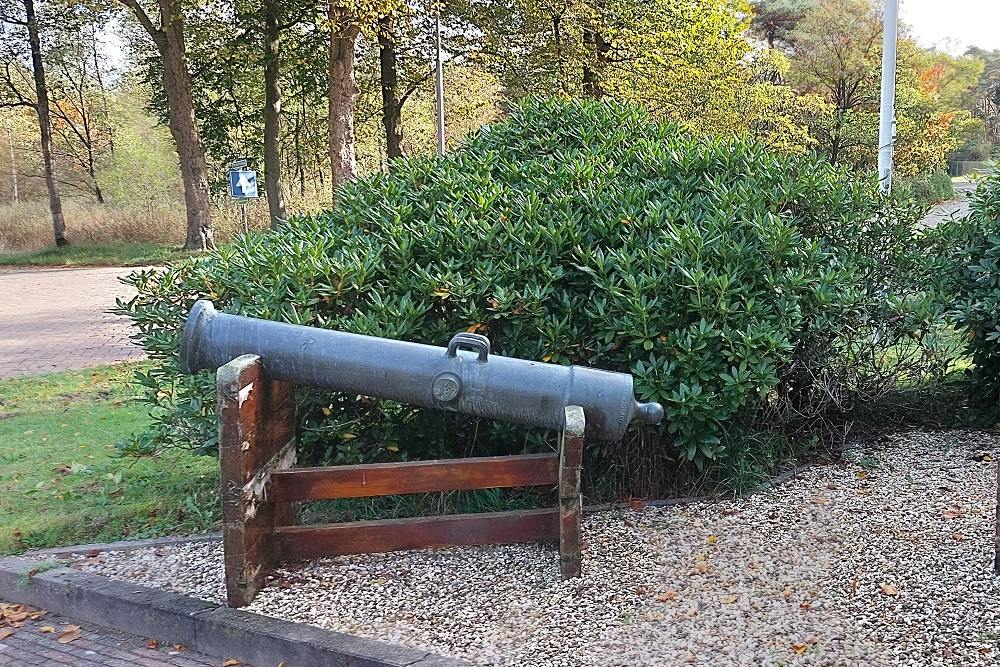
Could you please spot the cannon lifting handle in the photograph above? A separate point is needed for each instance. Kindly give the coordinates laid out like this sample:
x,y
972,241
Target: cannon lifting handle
x,y
476,342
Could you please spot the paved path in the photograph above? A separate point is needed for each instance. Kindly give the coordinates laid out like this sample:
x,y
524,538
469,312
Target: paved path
x,y
57,319
953,208
29,646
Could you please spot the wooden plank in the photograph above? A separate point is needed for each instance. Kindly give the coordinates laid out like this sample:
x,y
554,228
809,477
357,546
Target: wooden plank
x,y
304,542
256,435
382,479
571,444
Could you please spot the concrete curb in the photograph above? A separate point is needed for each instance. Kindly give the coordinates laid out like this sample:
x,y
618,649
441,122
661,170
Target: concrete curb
x,y
205,627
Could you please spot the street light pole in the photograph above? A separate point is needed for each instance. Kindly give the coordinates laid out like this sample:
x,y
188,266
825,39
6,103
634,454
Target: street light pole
x,y
887,110
439,79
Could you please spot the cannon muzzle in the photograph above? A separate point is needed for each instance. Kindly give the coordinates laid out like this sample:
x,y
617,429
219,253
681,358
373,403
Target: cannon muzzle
x,y
463,377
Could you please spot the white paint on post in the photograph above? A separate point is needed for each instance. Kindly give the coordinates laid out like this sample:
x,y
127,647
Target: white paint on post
x,y
887,110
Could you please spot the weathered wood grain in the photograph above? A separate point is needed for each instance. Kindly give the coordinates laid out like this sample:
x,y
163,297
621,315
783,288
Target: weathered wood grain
x,y
383,479
256,436
303,542
570,506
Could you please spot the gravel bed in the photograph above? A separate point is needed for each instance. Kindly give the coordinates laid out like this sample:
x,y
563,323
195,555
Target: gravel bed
x,y
884,560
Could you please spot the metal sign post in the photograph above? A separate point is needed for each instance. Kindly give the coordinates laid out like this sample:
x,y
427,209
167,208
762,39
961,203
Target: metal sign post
x,y
887,111
243,188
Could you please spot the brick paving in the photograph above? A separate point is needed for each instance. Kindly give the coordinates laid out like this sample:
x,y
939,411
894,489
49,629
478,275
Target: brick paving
x,y
95,647
57,319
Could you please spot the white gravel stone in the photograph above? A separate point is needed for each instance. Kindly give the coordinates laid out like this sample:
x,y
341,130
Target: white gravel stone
x,y
883,561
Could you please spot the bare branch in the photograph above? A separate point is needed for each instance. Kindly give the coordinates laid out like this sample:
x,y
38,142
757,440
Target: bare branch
x,y
144,20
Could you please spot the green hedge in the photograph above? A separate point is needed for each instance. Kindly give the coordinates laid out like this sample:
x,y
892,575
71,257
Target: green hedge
x,y
927,189
976,249
744,289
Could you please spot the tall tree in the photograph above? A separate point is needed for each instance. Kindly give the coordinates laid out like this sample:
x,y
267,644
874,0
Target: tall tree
x,y
344,31
272,111
168,37
392,117
15,96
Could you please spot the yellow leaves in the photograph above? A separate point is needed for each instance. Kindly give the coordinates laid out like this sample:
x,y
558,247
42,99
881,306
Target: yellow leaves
x,y
798,648
441,293
326,411
888,589
667,596
231,662
46,629
787,592
476,328
547,357
712,539
5,632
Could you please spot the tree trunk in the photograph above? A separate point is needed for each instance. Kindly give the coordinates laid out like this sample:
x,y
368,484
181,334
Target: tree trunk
x,y
593,68
343,97
272,114
184,129
44,125
392,117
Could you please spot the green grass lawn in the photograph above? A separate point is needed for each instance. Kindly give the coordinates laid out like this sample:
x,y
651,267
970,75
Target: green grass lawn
x,y
61,482
106,254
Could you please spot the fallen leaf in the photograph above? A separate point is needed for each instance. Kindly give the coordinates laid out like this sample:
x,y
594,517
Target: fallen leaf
x,y
952,514
666,596
958,537
787,593
232,662
46,629
636,503
5,632
888,589
179,647
281,664
712,539
805,606
701,567
820,500
153,644
653,616
68,634
729,599
800,648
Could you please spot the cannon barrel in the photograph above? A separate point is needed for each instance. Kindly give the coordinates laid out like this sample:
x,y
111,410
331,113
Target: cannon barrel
x,y
464,377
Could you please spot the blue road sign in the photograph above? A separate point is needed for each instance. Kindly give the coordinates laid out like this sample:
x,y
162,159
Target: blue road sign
x,y
243,184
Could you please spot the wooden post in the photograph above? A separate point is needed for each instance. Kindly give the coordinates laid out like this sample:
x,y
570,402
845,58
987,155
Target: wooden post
x,y
256,437
570,507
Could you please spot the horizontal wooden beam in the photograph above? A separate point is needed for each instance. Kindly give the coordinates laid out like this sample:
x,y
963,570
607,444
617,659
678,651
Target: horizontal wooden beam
x,y
383,479
304,542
